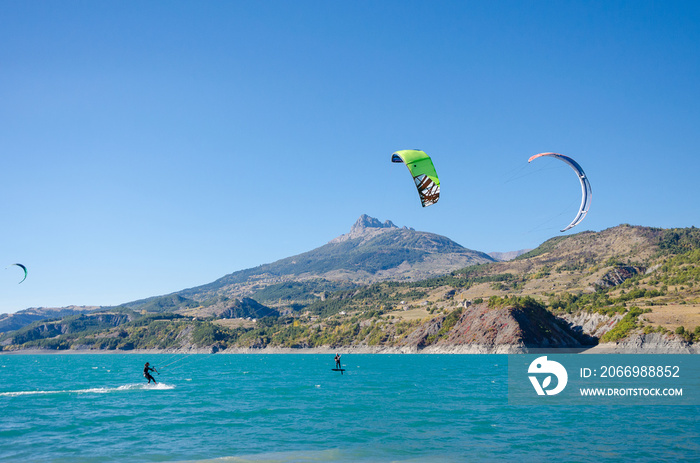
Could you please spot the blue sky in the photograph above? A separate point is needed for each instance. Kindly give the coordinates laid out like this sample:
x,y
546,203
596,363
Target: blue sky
x,y
149,147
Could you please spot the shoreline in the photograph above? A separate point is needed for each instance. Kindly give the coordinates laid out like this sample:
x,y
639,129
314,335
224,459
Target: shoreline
x,y
607,348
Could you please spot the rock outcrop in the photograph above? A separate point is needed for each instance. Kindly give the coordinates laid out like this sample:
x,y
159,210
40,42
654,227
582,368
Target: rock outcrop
x,y
652,343
618,275
245,308
481,329
593,324
367,227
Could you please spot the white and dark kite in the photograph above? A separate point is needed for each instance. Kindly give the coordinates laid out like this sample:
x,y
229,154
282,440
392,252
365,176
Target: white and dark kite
x,y
586,193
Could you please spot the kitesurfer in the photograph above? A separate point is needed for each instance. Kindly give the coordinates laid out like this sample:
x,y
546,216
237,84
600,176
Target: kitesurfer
x,y
147,374
337,361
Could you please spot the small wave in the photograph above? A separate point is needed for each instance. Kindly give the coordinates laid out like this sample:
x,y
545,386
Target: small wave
x,y
94,390
283,457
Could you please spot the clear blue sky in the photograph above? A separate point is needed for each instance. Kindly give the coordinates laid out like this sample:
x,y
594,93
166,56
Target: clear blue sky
x,y
153,146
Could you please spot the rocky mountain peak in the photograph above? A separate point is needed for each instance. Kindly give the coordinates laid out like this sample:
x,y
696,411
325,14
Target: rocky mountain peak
x,y
366,221
366,227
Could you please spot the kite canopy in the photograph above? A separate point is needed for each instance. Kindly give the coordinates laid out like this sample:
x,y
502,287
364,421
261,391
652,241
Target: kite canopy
x,y
423,172
586,193
25,271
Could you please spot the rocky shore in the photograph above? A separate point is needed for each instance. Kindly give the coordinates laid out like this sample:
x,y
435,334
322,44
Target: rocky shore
x,y
513,326
478,330
654,343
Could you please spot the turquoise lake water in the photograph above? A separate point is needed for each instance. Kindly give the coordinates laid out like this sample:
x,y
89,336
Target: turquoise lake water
x,y
293,408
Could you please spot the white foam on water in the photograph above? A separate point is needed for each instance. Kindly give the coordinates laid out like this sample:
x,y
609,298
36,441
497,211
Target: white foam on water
x,y
279,457
95,390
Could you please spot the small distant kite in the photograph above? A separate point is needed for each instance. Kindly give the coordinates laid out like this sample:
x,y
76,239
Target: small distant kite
x,y
25,271
586,193
423,172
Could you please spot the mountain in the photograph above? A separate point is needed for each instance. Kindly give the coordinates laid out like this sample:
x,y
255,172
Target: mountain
x,y
371,251
521,324
506,256
15,321
629,288
68,325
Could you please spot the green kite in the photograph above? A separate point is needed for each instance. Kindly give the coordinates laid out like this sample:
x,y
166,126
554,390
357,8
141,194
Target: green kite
x,y
423,172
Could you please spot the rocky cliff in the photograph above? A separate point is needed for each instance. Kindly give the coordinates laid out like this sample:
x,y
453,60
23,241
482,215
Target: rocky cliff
x,y
651,343
484,329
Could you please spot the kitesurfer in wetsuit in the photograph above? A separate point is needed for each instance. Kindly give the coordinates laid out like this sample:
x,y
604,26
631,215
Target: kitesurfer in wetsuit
x,y
147,374
337,361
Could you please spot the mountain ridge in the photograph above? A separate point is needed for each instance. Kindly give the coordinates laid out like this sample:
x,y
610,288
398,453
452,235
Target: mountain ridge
x,y
508,255
371,251
628,287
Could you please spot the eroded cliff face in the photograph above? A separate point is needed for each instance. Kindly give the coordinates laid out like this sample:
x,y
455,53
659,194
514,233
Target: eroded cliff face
x,y
419,338
618,275
591,324
652,343
481,329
